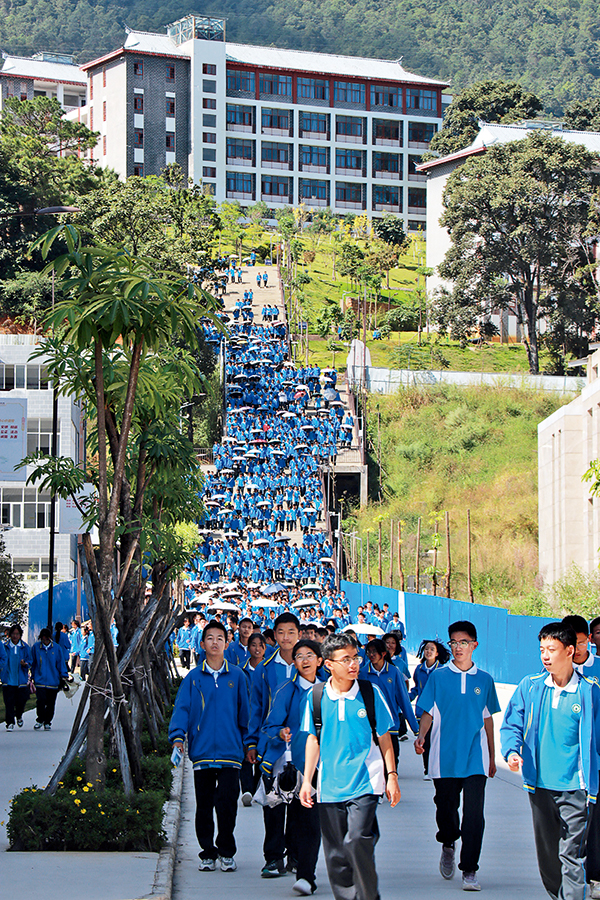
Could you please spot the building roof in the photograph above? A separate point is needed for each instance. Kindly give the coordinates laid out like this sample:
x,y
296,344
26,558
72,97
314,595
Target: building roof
x,y
42,70
491,134
384,70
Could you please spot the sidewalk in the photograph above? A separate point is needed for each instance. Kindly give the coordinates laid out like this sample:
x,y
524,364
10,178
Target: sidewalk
x,y
30,757
407,853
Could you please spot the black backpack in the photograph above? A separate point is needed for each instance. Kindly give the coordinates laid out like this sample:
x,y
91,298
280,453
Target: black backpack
x,y
368,697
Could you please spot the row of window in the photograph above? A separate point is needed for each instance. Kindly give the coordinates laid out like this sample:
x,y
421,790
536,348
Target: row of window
x,y
343,91
138,70
320,124
31,377
138,106
138,139
345,157
315,189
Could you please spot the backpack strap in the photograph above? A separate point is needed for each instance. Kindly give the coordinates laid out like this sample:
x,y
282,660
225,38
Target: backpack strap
x,y
317,698
368,695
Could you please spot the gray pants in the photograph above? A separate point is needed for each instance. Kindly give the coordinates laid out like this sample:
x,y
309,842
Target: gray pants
x,y
348,830
559,825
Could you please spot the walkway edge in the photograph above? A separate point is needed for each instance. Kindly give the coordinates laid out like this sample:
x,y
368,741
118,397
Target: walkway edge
x,y
165,867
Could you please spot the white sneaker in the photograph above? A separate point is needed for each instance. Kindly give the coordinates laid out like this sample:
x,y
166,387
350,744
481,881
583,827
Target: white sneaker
x,y
207,865
447,862
47,727
228,864
246,798
470,882
10,727
595,890
38,725
303,887
427,777
20,723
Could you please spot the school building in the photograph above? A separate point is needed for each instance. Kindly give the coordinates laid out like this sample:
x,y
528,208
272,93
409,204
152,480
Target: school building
x,y
262,123
53,75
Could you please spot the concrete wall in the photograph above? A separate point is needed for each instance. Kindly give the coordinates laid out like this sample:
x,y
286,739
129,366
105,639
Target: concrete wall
x,y
386,381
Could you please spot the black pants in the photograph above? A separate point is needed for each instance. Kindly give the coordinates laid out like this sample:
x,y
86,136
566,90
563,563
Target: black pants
x,y
426,751
217,792
276,837
249,777
184,656
15,699
349,846
560,820
304,839
592,863
74,662
45,704
447,801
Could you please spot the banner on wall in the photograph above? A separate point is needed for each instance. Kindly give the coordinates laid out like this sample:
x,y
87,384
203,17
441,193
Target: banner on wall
x,y
70,520
13,438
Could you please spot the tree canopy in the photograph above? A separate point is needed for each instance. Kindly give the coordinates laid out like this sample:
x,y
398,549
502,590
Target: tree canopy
x,y
517,217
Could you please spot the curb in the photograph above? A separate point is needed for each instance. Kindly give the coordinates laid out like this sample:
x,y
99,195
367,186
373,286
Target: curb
x,y
163,876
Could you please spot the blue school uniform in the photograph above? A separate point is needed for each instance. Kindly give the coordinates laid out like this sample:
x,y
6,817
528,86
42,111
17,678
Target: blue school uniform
x,y
48,665
393,687
11,670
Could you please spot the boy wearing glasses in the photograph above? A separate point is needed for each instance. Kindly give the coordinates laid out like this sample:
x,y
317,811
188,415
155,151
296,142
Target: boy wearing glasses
x,y
458,702
351,775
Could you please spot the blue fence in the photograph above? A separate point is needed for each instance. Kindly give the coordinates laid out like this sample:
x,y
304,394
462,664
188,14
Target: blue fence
x,y
508,645
64,607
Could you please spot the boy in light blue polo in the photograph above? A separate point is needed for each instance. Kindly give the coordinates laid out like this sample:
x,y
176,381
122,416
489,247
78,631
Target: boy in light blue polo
x,y
458,702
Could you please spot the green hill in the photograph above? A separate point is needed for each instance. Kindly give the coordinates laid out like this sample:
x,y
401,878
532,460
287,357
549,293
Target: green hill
x,y
551,46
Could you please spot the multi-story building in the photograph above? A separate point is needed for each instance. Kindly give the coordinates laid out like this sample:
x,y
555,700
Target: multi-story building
x,y
43,75
24,509
261,123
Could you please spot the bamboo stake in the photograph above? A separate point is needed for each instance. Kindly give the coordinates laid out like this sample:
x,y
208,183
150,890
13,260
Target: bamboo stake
x,y
368,560
400,570
391,553
434,581
469,584
417,552
379,556
448,559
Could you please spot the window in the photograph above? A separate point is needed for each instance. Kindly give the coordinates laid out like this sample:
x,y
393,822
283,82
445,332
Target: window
x,y
276,84
313,156
387,162
349,159
138,70
209,137
313,190
421,132
104,74
240,182
348,193
275,152
39,436
418,99
387,130
104,110
348,92
170,141
239,80
170,72
240,149
138,103
276,187
239,115
104,145
417,197
209,121
209,87
36,509
313,89
29,567
276,118
170,106
316,122
138,137
209,103
349,125
413,162
209,172
209,155
209,69
384,195
91,87
33,377
138,170
386,95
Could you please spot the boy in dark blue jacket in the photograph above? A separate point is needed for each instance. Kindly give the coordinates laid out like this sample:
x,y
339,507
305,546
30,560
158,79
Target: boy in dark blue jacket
x,y
49,672
212,709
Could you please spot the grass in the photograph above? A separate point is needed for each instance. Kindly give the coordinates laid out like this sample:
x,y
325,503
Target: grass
x,y
459,449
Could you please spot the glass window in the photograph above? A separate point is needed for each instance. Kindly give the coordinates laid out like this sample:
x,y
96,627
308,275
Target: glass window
x,y
278,187
170,72
386,195
170,141
209,69
209,103
138,103
170,106
349,125
138,70
276,84
276,118
209,172
275,152
313,89
209,121
209,87
349,159
209,155
239,80
313,156
138,170
138,137
209,137
386,95
387,162
240,149
421,132
419,99
348,92
387,130
310,189
348,193
417,197
39,436
239,115
240,182
317,122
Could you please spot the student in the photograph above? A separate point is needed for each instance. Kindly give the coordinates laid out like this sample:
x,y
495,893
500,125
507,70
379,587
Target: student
x,y
458,703
432,654
277,667
15,660
595,634
211,707
551,731
585,663
49,671
183,641
75,641
237,652
282,728
86,651
381,671
351,772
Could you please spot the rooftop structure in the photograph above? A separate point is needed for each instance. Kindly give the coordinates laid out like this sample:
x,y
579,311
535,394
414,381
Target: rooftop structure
x,y
43,75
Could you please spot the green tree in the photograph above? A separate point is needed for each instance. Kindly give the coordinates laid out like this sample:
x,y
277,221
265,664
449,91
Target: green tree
x,y
583,115
391,230
490,101
230,215
13,596
515,216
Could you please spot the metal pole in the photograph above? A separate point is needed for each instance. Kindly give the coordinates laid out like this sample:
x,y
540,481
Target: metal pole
x,y
400,571
448,560
379,555
417,552
469,585
391,553
53,453
368,560
435,556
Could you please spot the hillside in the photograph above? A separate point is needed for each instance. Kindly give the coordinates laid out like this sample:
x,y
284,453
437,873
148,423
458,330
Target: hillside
x,y
551,46
456,449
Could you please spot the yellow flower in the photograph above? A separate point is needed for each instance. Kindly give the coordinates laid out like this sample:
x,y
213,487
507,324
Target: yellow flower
x,y
73,792
89,784
86,788
82,811
114,770
77,802
99,806
102,814
79,778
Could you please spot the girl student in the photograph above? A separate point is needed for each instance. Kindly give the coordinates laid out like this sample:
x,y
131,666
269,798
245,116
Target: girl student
x,y
381,671
432,654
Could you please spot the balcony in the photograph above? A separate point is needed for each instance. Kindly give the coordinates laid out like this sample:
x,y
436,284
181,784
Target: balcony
x,y
276,198
349,139
387,176
277,132
315,135
236,126
353,173
314,201
240,195
350,204
387,142
387,207
419,145
240,161
274,164
416,176
317,170
417,211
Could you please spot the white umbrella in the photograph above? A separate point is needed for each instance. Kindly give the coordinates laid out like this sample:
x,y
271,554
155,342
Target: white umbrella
x,y
205,597
265,603
327,560
261,542
311,587
223,606
301,603
210,565
364,628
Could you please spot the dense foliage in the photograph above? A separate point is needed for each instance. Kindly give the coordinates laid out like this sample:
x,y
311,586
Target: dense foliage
x,y
550,47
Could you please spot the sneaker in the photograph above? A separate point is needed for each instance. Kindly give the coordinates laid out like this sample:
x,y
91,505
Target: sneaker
x,y
20,723
291,866
273,869
447,861
10,727
227,863
38,725
427,777
595,890
304,887
246,798
207,865
47,727
470,882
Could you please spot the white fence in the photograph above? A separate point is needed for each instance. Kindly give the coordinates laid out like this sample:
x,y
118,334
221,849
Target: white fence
x,y
387,381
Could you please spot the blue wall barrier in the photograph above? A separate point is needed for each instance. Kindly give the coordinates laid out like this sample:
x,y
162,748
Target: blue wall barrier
x,y
64,607
508,645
